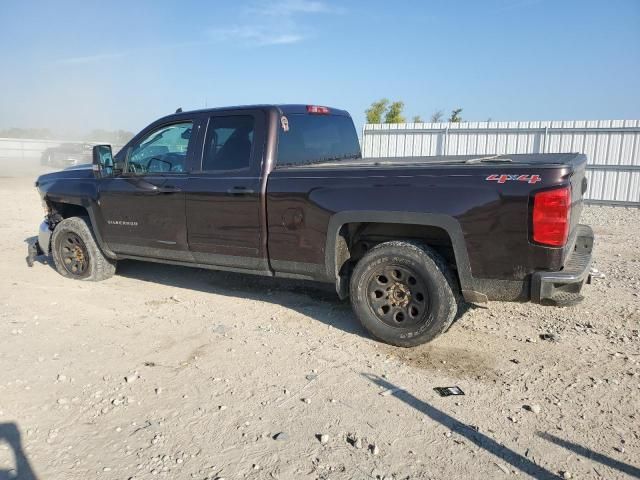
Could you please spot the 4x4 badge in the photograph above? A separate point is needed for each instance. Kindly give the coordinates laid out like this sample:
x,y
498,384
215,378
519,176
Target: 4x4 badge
x,y
502,178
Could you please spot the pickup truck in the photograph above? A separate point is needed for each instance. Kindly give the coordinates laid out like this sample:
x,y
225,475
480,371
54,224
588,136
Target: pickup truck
x,y
66,155
283,191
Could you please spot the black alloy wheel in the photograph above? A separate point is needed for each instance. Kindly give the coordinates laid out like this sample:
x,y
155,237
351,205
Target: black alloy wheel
x,y
74,254
398,295
404,293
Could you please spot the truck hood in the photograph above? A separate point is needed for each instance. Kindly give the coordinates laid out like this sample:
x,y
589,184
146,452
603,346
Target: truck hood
x,y
83,171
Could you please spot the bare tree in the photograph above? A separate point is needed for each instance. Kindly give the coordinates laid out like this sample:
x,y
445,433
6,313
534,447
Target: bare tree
x,y
437,116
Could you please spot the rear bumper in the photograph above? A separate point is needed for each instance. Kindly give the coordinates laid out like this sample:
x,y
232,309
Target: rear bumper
x,y
563,287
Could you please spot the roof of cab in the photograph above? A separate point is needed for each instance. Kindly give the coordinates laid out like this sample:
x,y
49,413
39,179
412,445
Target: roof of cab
x,y
286,109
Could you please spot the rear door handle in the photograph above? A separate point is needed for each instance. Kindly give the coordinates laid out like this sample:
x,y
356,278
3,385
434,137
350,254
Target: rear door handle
x,y
240,191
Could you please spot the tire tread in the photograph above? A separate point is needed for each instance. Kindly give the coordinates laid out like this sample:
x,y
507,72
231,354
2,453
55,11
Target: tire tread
x,y
101,267
451,292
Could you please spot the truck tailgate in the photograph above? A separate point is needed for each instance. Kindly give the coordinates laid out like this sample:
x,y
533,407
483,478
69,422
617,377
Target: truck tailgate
x,y
578,189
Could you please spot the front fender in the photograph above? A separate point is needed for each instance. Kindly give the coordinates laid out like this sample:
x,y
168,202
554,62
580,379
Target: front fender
x,y
80,191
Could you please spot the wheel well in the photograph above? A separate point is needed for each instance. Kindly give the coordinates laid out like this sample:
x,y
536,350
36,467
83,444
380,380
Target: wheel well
x,y
355,239
60,211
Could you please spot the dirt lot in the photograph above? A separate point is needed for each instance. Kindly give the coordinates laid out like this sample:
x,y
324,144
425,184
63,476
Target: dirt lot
x,y
170,372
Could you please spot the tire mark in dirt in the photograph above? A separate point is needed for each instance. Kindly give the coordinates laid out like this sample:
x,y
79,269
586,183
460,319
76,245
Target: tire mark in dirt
x,y
449,360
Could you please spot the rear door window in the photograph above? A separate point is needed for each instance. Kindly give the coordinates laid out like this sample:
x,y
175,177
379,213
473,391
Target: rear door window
x,y
229,143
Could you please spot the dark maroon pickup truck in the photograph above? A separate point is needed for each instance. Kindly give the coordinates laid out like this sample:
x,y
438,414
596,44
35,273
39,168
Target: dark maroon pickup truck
x,y
283,191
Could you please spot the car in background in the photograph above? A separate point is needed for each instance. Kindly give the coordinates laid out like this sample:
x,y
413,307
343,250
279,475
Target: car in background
x,y
67,155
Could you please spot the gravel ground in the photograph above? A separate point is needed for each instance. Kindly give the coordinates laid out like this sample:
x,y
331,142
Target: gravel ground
x,y
171,372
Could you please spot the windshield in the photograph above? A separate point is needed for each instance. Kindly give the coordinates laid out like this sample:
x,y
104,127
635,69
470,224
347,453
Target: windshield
x,y
306,139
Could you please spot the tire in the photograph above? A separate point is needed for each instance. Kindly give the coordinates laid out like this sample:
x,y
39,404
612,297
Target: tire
x,y
403,293
76,254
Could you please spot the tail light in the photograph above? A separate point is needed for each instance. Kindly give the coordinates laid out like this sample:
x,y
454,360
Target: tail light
x,y
551,211
317,110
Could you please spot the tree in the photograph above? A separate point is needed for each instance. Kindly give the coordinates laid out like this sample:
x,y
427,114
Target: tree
x,y
26,133
376,110
455,115
436,117
116,137
417,119
123,136
394,114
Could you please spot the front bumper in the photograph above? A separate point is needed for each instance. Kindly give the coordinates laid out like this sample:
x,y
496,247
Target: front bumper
x,y
562,288
44,237
41,246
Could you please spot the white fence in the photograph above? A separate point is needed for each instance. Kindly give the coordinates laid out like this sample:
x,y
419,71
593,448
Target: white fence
x,y
26,149
19,149
20,157
612,147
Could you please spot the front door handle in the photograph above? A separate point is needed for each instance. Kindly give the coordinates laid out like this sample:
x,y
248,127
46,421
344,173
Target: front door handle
x,y
149,188
240,191
169,189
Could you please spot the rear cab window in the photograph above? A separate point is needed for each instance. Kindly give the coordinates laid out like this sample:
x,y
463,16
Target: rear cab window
x,y
308,138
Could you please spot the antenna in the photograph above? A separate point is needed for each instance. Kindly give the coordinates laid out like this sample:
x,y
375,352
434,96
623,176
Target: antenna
x,y
179,110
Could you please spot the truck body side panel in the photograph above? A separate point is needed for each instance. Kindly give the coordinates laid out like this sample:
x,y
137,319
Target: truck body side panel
x,y
493,217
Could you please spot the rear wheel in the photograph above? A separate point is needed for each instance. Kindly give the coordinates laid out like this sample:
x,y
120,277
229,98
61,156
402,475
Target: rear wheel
x,y
403,293
76,253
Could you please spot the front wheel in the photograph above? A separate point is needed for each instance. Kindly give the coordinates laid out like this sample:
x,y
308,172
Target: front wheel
x,y
403,293
76,253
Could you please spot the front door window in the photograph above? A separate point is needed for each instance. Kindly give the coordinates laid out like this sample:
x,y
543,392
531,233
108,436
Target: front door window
x,y
164,150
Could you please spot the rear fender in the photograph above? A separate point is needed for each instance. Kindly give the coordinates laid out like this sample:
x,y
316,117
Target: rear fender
x,y
445,222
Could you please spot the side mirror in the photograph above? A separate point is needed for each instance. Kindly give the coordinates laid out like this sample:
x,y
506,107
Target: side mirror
x,y
102,161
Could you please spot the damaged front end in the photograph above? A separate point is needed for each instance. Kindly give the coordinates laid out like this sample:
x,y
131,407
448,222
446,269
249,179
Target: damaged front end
x,y
41,245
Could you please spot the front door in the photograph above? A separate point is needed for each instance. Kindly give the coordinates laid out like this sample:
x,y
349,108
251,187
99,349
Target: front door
x,y
224,205
143,207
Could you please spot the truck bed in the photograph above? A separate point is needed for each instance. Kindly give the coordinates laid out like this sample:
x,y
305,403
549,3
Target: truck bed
x,y
489,199
529,159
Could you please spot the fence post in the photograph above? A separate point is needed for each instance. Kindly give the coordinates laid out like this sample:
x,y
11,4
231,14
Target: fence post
x,y
445,141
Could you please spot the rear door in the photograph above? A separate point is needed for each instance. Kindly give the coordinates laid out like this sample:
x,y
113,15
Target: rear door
x,y
223,198
143,208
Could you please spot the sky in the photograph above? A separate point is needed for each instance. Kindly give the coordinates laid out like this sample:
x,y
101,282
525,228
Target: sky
x,y
76,65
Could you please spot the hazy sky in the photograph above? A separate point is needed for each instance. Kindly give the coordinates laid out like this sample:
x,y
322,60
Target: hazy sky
x,y
78,65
